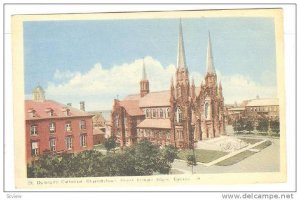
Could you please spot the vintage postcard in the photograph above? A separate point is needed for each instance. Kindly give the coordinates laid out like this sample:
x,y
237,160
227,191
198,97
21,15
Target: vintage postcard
x,y
149,98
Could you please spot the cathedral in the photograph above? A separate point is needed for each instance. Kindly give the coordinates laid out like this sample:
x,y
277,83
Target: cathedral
x,y
180,116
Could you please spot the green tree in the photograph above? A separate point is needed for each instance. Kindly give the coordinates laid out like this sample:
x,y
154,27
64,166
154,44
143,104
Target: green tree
x,y
170,153
263,125
238,125
249,126
146,156
275,126
191,161
110,144
143,158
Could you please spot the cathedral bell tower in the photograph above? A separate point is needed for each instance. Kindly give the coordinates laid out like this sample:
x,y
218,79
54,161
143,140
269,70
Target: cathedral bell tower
x,y
144,83
180,100
210,77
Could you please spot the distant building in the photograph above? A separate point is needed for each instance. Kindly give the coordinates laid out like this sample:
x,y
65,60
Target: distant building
x,y
179,116
52,127
267,108
101,120
254,109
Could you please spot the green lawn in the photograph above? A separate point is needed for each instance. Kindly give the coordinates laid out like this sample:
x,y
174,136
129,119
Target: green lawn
x,y
236,158
250,140
202,155
263,145
245,154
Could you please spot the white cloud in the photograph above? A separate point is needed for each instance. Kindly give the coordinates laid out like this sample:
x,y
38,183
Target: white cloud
x,y
99,86
237,87
62,75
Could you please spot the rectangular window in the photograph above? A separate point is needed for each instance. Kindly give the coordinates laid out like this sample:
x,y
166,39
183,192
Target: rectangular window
x,y
83,140
68,127
52,144
82,125
33,130
52,127
34,148
69,143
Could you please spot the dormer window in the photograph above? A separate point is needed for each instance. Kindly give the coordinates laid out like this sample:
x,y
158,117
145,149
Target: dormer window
x,y
50,112
32,112
66,111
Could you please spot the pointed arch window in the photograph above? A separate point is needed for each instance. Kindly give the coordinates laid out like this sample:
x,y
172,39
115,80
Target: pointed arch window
x,y
116,120
148,113
178,92
168,113
161,113
206,110
178,115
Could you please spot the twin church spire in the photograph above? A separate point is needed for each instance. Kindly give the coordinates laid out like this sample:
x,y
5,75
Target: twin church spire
x,y
181,62
182,70
182,74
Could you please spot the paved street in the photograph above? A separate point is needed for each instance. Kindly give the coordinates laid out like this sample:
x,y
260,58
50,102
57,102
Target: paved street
x,y
265,161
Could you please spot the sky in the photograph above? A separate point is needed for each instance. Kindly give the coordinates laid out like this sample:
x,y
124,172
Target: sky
x,y
99,60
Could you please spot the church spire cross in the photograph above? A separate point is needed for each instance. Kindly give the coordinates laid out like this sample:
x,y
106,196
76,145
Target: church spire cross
x,y
209,59
180,54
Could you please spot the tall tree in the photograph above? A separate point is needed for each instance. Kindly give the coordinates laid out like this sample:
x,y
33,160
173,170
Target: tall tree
x,y
263,125
249,126
110,144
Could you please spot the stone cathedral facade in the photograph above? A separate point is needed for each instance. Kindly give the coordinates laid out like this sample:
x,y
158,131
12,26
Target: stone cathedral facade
x,y
180,116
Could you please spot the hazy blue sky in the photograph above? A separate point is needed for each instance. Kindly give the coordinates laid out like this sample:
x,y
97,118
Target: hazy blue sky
x,y
244,46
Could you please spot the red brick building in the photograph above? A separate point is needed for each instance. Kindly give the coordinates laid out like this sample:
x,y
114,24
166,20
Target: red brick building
x,y
52,127
179,116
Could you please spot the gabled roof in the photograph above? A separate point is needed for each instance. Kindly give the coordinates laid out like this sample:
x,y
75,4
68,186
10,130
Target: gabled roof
x,y
97,131
132,107
155,123
133,97
42,108
155,99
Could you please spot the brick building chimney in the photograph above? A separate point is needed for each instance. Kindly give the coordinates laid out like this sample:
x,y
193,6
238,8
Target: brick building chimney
x,y
82,106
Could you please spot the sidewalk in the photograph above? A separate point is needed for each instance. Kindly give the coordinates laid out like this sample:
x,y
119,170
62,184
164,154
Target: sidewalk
x,y
228,155
234,153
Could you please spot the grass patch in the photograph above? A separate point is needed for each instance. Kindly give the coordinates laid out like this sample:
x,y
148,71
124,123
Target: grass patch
x,y
99,146
202,155
236,158
263,145
250,140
